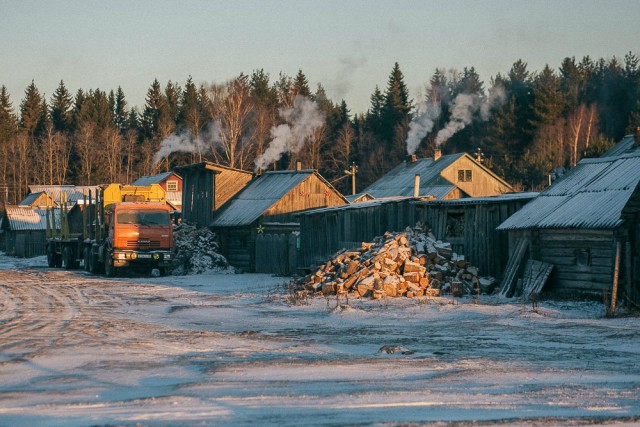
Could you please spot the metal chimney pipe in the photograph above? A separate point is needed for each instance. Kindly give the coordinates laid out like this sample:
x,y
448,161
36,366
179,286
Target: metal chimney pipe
x,y
416,186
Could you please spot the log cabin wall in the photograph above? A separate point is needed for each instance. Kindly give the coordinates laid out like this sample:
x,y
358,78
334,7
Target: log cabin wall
x,y
583,259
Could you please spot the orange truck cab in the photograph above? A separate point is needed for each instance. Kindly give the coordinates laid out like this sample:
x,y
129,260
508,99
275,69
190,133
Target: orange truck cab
x,y
140,236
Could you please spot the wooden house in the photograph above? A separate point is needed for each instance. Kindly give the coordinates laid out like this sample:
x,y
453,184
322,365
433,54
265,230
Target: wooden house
x,y
39,199
267,207
72,194
206,187
469,224
170,182
582,224
452,176
23,230
359,198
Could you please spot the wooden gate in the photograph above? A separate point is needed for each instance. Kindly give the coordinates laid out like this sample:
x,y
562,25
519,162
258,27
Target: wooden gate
x,y
276,253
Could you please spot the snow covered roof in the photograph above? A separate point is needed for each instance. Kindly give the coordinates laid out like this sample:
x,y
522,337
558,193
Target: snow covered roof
x,y
591,195
259,195
152,179
22,218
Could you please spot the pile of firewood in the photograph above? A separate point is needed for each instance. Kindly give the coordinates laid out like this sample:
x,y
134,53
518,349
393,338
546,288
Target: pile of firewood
x,y
412,263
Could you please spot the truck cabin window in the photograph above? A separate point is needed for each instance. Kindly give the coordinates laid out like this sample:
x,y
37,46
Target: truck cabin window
x,y
144,217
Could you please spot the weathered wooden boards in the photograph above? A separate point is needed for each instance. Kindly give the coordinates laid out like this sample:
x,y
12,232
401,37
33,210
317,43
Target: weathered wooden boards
x,y
536,274
412,263
514,268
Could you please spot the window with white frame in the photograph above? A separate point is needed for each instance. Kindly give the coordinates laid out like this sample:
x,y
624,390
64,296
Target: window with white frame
x,y
172,185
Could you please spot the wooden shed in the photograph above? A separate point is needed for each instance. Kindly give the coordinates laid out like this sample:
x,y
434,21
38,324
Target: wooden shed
x,y
267,206
206,187
453,176
582,224
23,231
39,199
469,224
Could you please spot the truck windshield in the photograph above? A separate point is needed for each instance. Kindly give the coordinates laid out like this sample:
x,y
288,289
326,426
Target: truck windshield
x,y
143,217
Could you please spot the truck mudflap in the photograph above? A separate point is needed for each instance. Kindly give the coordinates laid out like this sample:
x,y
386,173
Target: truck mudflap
x,y
140,258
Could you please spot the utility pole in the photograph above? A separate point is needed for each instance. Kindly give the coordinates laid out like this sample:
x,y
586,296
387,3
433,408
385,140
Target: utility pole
x,y
353,170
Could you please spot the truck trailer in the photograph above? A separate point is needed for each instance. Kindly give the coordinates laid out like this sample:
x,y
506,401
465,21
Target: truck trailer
x,y
120,227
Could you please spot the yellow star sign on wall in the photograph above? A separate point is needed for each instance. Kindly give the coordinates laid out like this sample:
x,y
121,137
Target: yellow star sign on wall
x,y
260,229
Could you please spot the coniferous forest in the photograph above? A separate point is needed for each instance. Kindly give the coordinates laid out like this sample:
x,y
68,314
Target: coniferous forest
x,y
525,123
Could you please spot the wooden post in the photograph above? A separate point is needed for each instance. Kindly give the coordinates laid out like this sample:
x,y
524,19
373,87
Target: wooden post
x,y
629,279
616,273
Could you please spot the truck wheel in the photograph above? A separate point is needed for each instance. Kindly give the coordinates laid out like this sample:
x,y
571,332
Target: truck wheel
x,y
67,258
109,269
85,256
51,256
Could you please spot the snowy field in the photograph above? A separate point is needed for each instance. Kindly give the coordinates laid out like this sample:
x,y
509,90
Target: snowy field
x,y
78,350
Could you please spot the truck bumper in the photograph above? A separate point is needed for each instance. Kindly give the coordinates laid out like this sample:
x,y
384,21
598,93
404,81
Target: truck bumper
x,y
139,258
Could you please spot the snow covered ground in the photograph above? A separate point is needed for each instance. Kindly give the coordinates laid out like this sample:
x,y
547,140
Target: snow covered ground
x,y
227,349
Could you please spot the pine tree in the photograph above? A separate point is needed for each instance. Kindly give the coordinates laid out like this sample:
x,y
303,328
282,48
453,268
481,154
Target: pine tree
x,y
548,101
155,111
396,115
172,92
190,114
8,132
32,115
263,94
61,109
120,110
301,85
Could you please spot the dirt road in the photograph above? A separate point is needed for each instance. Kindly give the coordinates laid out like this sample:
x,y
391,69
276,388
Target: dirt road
x,y
219,349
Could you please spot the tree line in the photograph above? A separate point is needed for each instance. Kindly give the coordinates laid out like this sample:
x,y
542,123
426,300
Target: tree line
x,y
544,120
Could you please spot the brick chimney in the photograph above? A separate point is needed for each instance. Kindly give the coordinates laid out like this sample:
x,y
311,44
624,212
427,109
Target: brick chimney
x,y
636,137
437,154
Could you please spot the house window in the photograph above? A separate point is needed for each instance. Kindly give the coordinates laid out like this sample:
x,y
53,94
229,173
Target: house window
x,y
583,257
172,185
465,175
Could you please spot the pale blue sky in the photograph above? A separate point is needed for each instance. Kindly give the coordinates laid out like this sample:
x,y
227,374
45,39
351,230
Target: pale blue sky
x,y
348,46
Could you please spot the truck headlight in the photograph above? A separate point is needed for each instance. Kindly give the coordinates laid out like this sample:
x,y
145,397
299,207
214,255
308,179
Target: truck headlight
x,y
156,256
134,255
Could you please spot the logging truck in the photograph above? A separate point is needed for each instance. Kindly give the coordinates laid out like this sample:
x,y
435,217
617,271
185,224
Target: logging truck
x,y
119,227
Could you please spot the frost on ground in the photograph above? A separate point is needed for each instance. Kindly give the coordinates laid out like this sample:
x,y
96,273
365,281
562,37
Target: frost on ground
x,y
197,251
214,349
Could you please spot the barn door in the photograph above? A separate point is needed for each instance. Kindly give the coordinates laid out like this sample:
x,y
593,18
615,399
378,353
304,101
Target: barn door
x,y
276,253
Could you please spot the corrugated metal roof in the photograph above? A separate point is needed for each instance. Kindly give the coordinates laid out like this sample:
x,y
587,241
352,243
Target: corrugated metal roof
x,y
74,193
624,146
152,179
360,205
175,197
23,218
399,181
258,196
591,195
489,199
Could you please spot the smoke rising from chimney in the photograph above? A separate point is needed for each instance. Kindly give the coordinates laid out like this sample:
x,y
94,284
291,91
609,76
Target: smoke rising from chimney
x,y
421,125
301,121
188,143
462,108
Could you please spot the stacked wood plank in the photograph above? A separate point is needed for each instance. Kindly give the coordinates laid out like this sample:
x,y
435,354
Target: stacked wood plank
x,y
410,264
